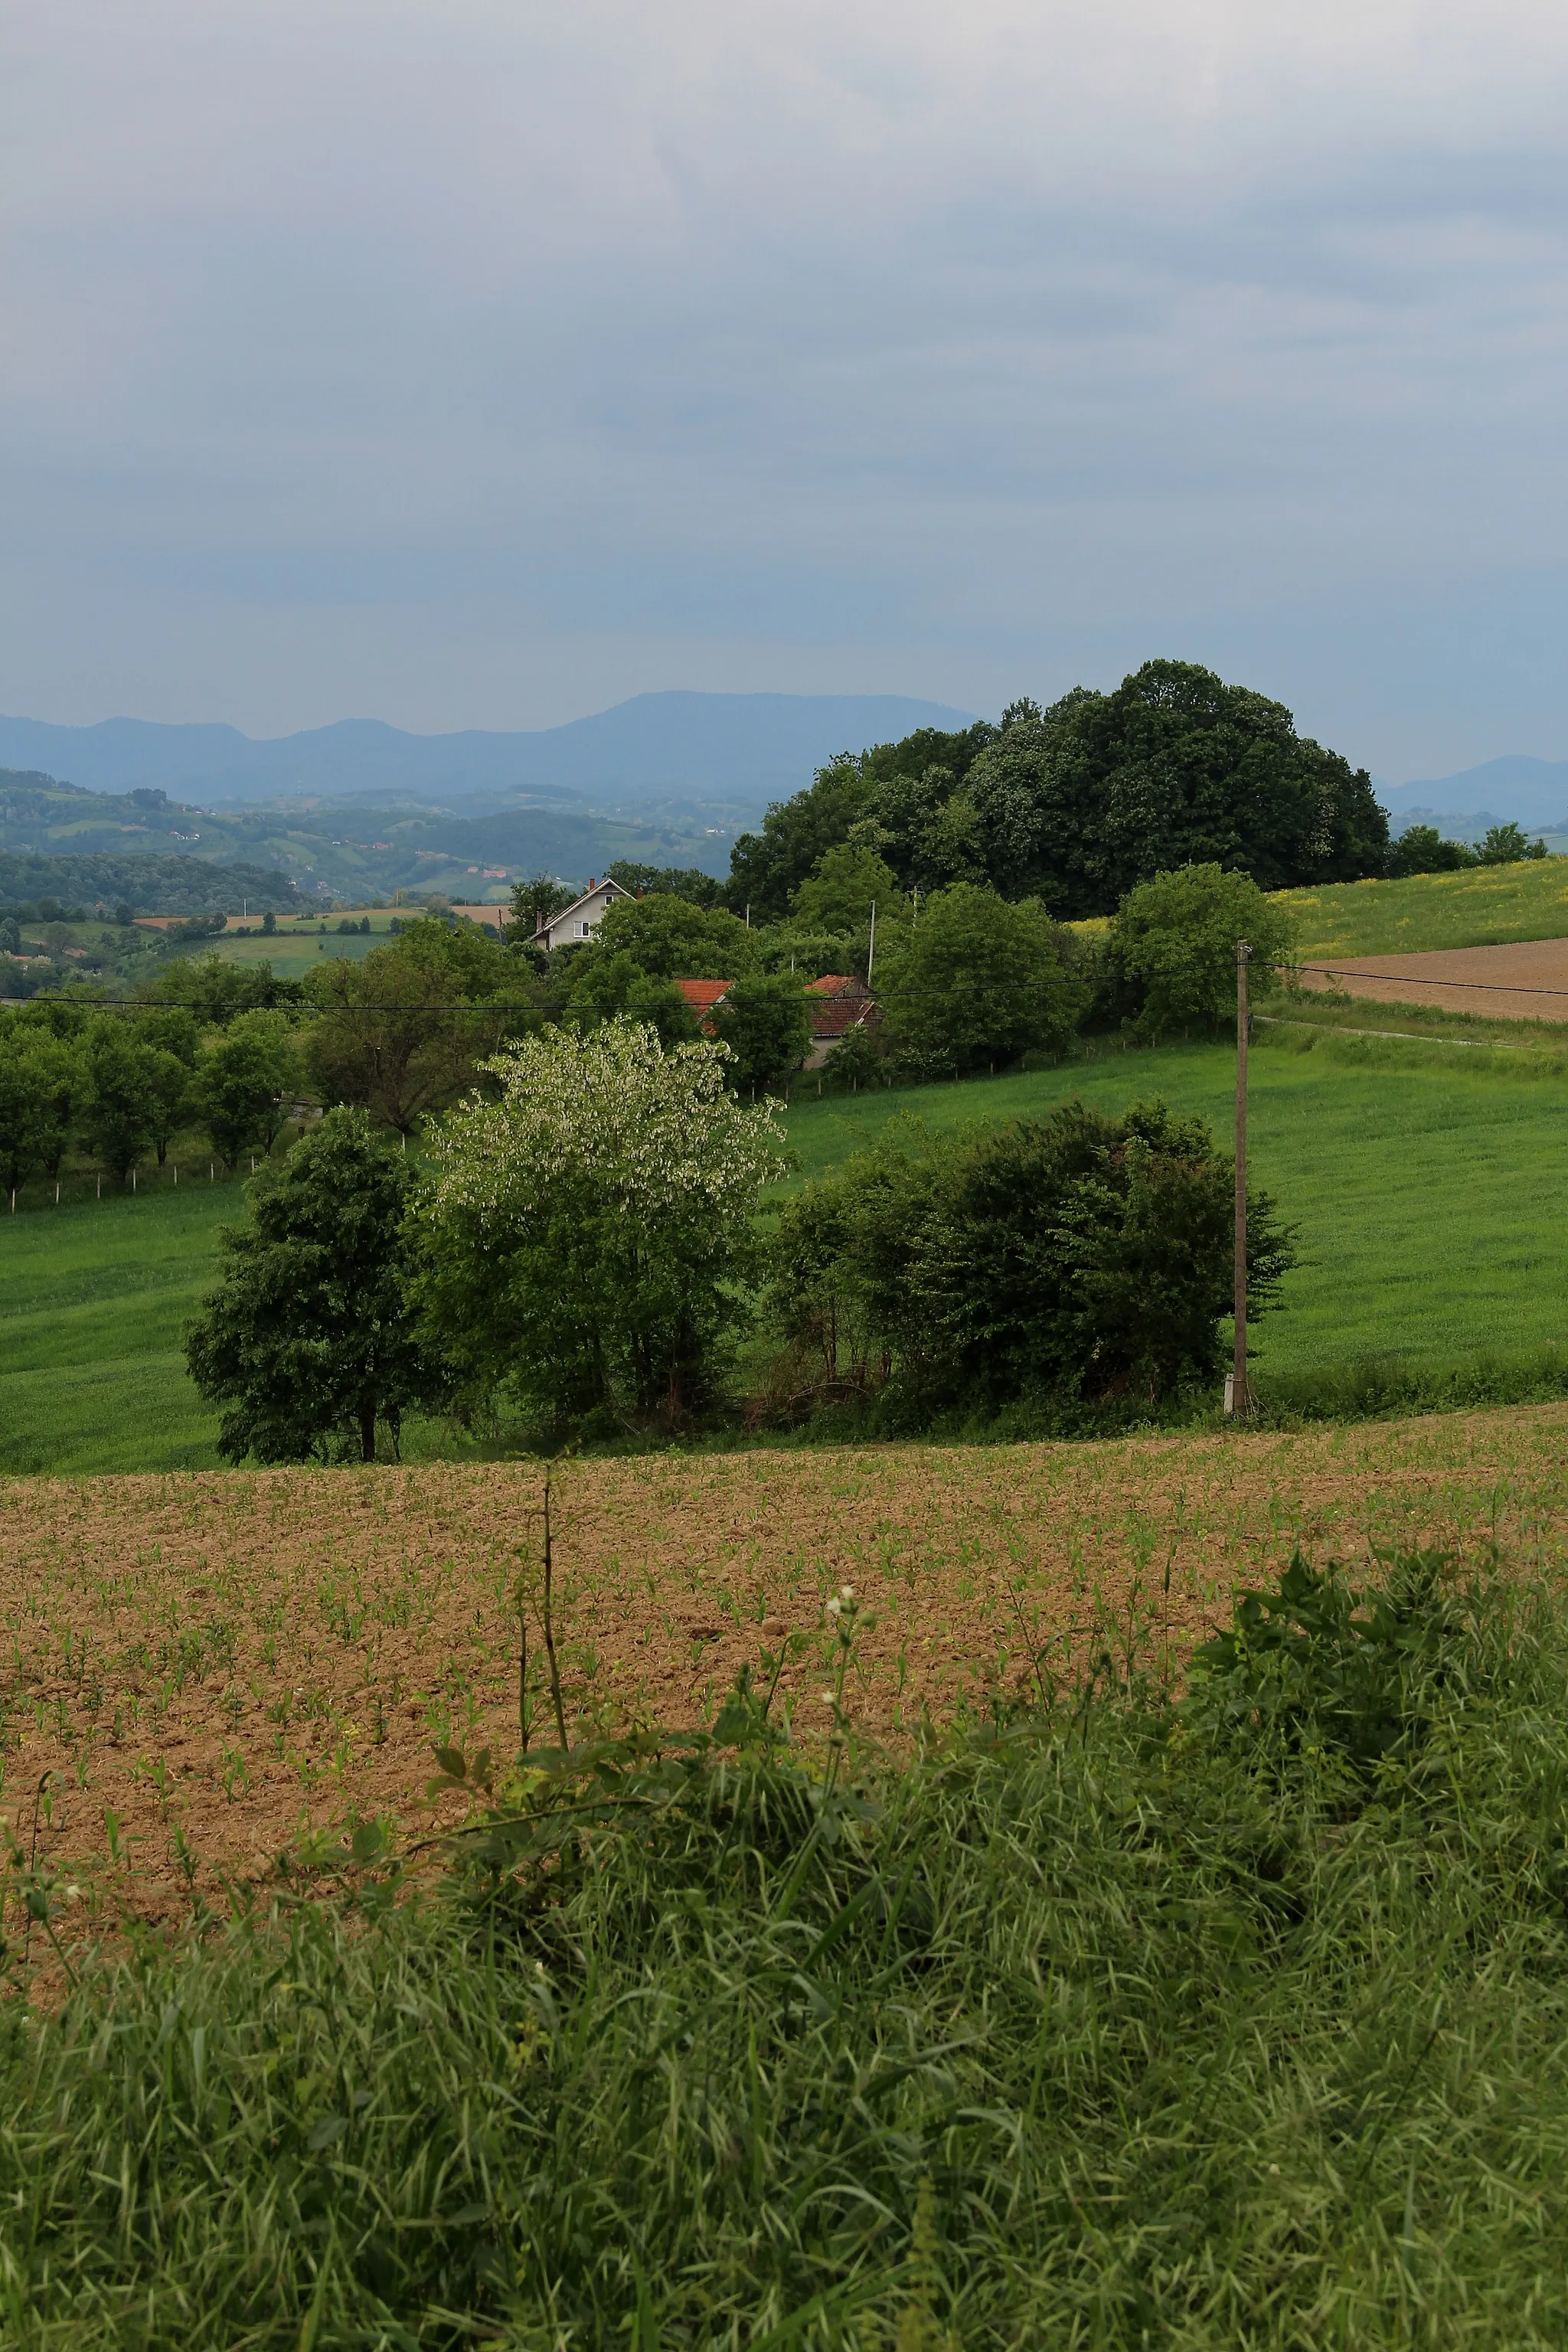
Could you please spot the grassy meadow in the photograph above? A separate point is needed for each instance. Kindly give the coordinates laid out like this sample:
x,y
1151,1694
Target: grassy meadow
x,y
1430,1185
1483,907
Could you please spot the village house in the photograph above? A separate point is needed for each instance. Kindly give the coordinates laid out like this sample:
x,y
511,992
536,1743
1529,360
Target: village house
x,y
582,919
839,1002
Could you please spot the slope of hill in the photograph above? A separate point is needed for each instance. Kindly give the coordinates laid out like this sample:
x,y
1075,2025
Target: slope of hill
x,y
739,748
156,886
354,851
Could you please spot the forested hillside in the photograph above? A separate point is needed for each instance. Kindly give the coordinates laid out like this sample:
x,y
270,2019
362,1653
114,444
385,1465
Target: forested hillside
x,y
1077,804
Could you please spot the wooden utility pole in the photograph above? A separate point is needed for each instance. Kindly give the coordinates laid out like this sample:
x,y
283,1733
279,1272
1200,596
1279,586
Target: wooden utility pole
x,y
1240,1399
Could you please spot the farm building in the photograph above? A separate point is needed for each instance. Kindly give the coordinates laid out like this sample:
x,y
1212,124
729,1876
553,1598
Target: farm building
x,y
838,1004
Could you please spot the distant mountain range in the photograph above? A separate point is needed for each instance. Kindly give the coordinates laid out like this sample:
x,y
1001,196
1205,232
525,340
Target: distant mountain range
x,y
1514,789
657,757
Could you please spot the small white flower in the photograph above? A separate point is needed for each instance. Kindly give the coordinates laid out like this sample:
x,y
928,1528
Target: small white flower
x,y
834,1606
847,1592
826,1698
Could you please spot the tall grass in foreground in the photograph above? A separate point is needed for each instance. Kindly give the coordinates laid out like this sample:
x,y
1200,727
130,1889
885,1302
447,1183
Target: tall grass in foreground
x,y
1131,2022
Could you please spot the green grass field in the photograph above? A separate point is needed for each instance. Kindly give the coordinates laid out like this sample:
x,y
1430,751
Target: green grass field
x,y
1481,908
1430,1188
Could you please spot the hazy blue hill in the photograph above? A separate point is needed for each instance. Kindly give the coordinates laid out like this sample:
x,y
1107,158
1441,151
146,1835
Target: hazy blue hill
x,y
1513,789
352,848
742,749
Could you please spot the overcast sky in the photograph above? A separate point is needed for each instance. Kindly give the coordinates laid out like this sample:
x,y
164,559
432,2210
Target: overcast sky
x,y
464,363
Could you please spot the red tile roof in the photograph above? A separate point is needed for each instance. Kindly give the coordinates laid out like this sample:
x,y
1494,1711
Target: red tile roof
x,y
702,995
842,1012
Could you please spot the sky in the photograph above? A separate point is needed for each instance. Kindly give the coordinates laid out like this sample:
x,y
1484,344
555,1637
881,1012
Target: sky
x,y
480,363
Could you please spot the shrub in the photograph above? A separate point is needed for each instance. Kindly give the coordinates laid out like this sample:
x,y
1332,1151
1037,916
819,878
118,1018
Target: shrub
x,y
1075,1259
1093,2023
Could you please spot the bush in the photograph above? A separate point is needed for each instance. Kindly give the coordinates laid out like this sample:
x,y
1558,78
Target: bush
x,y
1075,1259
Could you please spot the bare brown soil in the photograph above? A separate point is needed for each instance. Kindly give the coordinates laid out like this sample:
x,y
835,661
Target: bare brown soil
x,y
1515,979
201,1673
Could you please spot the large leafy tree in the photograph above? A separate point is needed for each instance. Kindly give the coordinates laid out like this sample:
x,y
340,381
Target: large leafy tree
x,y
309,1342
120,1075
979,980
1171,949
767,867
842,886
615,988
1077,804
672,938
24,1116
533,901
766,1024
401,1032
589,1235
688,882
243,1085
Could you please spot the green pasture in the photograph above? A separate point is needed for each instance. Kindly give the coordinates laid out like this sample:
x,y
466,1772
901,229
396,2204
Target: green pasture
x,y
1483,907
1430,1184
93,1298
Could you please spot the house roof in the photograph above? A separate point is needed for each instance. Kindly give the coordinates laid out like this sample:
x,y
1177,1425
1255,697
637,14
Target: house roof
x,y
594,890
838,983
832,1017
702,995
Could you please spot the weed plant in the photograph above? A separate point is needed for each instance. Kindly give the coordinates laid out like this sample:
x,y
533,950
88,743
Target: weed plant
x,y
1126,2018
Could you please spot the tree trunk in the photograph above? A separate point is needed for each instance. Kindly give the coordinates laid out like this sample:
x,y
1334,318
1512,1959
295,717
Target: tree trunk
x,y
367,1431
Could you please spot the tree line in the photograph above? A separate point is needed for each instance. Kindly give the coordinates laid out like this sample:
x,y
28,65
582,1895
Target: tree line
x,y
962,982
577,1250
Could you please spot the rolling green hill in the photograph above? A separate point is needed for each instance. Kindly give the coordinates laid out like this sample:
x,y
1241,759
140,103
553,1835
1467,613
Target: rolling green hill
x,y
1482,906
353,851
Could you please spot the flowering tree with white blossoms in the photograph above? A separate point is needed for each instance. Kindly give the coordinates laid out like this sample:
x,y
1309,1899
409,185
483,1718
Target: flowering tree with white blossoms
x,y
590,1234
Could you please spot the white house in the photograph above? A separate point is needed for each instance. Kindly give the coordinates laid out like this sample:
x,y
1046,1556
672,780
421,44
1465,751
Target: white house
x,y
582,919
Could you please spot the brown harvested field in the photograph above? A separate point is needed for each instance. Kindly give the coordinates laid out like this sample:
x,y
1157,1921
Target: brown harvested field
x,y
1510,977
214,1668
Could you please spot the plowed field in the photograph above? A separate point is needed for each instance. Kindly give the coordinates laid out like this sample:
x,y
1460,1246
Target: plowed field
x,y
203,1673
1515,983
